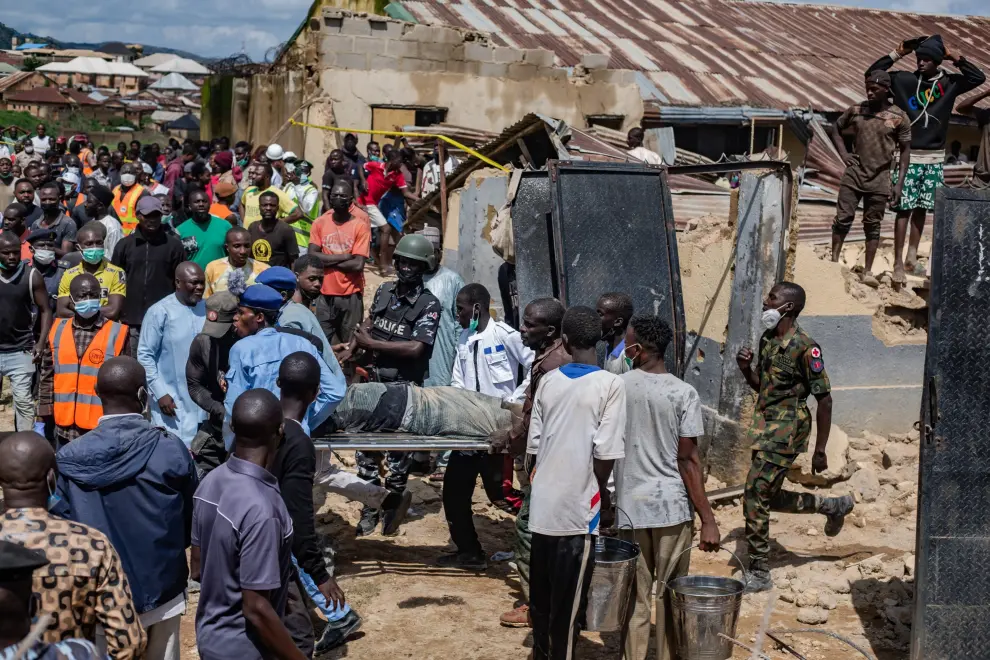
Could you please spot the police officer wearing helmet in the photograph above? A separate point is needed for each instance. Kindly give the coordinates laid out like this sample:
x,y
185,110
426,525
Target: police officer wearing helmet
x,y
395,343
397,337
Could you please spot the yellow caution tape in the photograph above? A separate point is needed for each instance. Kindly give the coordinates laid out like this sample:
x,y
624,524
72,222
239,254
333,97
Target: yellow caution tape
x,y
446,139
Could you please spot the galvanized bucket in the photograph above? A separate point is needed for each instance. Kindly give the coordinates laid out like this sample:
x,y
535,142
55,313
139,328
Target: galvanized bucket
x,y
612,583
704,606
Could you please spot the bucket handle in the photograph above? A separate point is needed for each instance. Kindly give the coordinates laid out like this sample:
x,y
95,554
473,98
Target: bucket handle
x,y
742,567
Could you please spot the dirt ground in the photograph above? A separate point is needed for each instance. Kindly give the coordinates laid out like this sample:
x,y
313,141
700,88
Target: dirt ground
x,y
413,609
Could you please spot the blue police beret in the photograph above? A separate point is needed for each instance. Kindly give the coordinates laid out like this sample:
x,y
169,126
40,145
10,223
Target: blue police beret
x,y
262,297
277,277
42,234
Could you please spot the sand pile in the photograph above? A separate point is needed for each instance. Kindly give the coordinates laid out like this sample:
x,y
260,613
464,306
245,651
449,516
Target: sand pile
x,y
704,250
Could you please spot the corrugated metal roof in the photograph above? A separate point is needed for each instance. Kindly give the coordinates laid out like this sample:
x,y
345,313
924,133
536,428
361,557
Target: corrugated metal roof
x,y
717,52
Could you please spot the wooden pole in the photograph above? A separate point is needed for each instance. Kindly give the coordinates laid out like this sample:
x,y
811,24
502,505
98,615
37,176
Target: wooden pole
x,y
442,153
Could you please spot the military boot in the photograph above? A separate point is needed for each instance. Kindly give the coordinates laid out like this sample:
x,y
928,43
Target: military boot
x,y
835,509
758,579
368,522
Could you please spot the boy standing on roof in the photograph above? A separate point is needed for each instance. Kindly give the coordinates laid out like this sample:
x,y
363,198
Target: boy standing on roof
x,y
927,96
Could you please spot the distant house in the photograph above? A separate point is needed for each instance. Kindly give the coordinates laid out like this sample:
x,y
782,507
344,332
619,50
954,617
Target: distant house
x,y
41,102
184,127
123,77
121,51
22,81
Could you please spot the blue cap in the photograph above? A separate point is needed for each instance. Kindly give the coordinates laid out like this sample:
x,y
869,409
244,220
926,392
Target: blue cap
x,y
277,277
262,298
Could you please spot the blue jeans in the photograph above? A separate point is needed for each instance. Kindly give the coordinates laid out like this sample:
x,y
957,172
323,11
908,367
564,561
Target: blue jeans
x,y
331,613
19,368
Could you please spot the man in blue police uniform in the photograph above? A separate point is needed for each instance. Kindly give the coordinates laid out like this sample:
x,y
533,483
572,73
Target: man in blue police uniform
x,y
395,343
255,358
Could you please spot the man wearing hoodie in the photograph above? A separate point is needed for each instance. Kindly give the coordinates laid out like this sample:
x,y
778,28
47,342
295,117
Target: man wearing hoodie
x,y
126,464
927,96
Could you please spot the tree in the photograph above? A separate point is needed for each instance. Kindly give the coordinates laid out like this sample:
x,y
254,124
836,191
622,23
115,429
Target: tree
x,y
31,63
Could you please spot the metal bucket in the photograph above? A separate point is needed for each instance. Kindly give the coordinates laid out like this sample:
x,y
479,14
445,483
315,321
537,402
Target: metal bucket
x,y
612,582
704,606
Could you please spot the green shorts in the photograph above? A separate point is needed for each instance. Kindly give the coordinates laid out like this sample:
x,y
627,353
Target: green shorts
x,y
920,183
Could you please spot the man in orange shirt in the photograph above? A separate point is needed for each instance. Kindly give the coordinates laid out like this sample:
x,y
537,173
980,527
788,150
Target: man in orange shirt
x,y
341,239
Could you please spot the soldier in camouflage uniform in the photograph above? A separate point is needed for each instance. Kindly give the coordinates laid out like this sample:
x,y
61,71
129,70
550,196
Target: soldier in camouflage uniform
x,y
790,368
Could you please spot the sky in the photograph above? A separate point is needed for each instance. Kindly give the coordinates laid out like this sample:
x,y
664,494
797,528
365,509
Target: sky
x,y
218,28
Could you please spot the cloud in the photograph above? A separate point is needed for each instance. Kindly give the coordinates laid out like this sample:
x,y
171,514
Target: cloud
x,y
217,28
212,28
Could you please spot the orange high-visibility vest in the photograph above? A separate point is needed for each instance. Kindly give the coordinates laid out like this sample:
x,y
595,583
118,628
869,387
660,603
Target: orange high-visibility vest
x,y
126,208
75,397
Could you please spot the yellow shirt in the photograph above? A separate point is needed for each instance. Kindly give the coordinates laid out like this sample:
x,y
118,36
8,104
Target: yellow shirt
x,y
218,273
111,278
252,211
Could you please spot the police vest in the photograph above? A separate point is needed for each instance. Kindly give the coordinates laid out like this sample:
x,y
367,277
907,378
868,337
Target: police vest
x,y
126,208
395,323
75,399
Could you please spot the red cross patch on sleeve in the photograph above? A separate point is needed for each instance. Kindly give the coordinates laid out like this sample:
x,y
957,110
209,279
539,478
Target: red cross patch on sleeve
x,y
816,352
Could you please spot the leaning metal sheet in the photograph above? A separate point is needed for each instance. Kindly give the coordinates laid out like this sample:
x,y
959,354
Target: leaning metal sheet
x,y
952,586
399,442
613,230
534,259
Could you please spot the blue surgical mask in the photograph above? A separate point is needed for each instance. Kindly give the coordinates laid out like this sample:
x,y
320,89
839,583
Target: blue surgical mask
x,y
87,308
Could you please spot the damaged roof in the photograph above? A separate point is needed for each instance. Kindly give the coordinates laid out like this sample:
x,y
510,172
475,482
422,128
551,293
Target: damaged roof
x,y
717,52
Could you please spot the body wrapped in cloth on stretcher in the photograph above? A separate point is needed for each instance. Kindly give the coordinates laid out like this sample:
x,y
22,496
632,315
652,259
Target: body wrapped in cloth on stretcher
x,y
410,410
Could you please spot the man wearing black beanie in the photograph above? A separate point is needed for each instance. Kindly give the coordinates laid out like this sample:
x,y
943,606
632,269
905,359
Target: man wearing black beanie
x,y
927,95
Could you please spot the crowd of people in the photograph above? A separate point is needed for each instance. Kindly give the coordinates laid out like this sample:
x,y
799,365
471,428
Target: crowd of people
x,y
181,322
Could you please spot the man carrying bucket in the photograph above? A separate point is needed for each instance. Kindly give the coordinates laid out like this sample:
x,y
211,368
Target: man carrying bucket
x,y
658,484
790,368
576,432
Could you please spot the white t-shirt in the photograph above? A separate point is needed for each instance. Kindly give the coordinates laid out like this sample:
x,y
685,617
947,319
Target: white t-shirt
x,y
649,490
579,414
645,155
431,174
41,144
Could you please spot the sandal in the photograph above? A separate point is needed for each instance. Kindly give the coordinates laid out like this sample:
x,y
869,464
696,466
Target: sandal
x,y
437,475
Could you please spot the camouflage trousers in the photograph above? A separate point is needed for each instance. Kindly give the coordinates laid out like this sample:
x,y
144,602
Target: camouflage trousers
x,y
397,464
764,493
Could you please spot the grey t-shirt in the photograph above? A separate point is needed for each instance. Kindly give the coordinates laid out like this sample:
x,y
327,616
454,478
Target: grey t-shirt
x,y
661,409
244,534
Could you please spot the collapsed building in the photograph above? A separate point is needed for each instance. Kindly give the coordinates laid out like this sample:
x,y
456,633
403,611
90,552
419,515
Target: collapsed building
x,y
709,81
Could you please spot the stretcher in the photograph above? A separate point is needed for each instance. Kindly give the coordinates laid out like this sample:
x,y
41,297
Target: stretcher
x,y
399,442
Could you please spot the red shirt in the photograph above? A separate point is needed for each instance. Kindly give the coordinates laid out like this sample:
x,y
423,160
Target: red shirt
x,y
380,182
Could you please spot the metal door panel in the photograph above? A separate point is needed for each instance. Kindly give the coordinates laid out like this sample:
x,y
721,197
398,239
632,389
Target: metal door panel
x,y
530,229
613,230
952,591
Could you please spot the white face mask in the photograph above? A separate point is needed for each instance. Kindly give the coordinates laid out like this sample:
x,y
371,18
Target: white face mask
x,y
771,317
128,179
44,257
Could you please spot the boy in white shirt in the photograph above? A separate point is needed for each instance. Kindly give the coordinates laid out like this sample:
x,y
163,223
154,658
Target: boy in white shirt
x,y
489,357
577,432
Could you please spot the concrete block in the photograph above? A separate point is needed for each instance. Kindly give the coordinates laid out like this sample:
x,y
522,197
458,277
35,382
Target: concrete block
x,y
595,60
506,55
356,26
357,61
538,57
383,28
478,52
460,66
383,63
409,64
332,23
522,72
446,35
434,51
493,70
331,13
551,73
370,45
337,43
457,52
424,33
399,48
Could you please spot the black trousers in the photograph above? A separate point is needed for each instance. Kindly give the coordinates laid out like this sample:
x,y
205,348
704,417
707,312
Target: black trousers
x,y
296,619
458,490
560,574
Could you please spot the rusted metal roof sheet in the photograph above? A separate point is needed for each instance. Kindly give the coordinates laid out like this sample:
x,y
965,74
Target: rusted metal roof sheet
x,y
717,52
